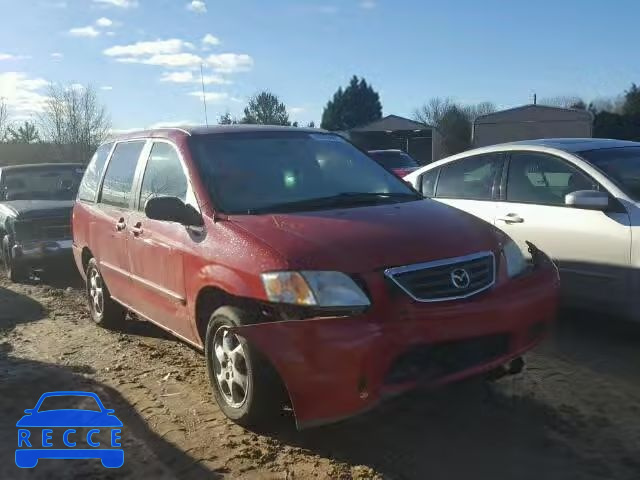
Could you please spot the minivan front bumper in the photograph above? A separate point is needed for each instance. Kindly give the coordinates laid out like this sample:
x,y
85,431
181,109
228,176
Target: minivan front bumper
x,y
336,367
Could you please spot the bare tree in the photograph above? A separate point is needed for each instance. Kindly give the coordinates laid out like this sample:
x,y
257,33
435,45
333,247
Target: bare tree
x,y
4,120
74,121
564,101
452,120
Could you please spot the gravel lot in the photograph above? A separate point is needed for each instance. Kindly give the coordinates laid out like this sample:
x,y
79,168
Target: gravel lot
x,y
573,414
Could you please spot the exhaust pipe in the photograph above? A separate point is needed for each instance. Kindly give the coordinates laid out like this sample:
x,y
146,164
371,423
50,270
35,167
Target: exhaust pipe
x,y
514,367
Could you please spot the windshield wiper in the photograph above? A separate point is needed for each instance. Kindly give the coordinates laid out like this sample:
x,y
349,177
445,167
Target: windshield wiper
x,y
340,199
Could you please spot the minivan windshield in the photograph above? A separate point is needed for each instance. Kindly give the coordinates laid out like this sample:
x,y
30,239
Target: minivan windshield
x,y
286,171
621,165
393,159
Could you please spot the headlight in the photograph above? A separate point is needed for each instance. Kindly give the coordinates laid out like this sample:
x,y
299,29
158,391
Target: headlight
x,y
516,264
322,289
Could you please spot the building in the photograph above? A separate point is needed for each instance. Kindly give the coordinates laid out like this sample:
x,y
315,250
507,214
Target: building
x,y
422,142
530,122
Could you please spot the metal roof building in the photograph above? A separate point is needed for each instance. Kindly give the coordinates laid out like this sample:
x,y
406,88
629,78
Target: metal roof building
x,y
422,142
531,122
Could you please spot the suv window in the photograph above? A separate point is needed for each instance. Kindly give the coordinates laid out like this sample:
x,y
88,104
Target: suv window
x,y
163,175
470,178
427,182
543,179
118,181
89,186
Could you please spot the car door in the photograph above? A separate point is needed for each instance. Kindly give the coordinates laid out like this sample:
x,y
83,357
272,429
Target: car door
x,y
157,248
110,222
590,247
469,184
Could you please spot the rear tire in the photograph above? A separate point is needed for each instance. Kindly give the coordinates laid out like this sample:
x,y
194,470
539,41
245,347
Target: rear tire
x,y
104,311
15,273
245,386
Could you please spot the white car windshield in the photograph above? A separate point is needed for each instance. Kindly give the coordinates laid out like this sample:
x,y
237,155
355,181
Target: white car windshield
x,y
621,165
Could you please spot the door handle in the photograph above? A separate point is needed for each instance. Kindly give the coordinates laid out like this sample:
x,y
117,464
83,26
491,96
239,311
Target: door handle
x,y
137,229
120,225
511,218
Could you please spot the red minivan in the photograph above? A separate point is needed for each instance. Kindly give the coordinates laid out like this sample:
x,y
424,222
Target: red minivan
x,y
301,283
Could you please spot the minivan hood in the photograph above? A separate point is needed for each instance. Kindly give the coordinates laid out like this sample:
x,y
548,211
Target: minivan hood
x,y
362,239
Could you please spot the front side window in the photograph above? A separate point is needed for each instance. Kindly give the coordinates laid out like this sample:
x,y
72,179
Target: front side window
x,y
427,182
622,165
118,180
163,176
469,178
88,190
264,172
543,179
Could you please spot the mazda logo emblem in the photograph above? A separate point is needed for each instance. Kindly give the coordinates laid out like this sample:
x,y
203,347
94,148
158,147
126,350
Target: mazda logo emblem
x,y
460,278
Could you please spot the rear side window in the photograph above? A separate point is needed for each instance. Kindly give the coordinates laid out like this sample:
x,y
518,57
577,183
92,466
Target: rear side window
x,y
88,190
469,178
118,180
163,176
427,182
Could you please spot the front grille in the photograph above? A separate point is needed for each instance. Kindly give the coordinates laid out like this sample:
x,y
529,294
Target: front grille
x,y
429,363
448,279
43,229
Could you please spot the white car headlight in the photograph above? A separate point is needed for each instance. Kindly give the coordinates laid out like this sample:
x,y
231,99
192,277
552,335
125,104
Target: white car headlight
x,y
516,263
322,289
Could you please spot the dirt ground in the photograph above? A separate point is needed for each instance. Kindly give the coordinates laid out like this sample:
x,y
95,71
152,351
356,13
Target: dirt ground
x,y
573,414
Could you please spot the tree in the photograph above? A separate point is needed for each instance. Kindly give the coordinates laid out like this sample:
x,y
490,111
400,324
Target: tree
x,y
74,121
453,121
356,105
631,105
311,124
265,108
564,101
25,133
227,119
4,119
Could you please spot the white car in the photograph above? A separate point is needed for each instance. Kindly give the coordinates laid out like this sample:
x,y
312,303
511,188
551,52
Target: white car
x,y
576,199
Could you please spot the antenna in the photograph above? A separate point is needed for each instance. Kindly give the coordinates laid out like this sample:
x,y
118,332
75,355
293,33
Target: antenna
x,y
204,97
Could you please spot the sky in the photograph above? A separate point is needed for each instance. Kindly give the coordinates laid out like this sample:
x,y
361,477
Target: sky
x,y
144,56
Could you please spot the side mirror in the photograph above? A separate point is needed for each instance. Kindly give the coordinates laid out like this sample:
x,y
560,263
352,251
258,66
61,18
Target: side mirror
x,y
172,209
29,411
588,199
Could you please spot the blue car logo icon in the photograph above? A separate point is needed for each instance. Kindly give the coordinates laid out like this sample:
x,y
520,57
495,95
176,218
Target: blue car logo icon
x,y
41,426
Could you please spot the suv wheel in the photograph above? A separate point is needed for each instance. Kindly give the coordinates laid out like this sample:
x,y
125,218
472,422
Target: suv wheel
x,y
104,311
14,272
245,386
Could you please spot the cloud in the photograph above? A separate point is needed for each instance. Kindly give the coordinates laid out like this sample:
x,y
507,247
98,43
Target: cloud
x,y
57,56
211,96
210,41
157,47
230,62
22,93
197,6
368,4
106,88
173,60
117,3
9,56
104,22
189,77
89,32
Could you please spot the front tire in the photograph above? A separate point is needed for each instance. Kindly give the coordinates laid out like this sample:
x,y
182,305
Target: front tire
x,y
14,272
245,386
104,311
